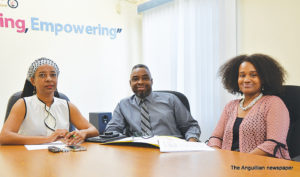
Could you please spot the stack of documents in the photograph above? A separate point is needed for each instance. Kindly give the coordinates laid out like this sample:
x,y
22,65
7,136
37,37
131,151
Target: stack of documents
x,y
165,143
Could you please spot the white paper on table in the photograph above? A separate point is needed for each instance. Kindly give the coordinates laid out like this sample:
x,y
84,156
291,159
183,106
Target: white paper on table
x,y
58,144
173,145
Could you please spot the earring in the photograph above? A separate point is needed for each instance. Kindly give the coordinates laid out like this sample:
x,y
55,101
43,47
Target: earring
x,y
34,91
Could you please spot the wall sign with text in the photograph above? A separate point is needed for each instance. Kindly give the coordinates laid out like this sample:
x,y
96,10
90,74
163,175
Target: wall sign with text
x,y
37,24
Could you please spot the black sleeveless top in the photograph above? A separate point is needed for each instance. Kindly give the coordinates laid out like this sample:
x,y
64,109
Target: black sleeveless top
x,y
235,140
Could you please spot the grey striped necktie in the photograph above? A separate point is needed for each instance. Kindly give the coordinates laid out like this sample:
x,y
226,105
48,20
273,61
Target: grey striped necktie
x,y
145,119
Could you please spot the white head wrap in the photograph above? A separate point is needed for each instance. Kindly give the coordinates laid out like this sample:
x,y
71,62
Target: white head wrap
x,y
39,62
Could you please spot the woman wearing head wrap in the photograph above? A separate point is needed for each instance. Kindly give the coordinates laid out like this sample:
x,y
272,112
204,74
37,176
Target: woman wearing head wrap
x,y
39,117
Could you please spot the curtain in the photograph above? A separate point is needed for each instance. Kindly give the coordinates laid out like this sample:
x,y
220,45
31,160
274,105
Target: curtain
x,y
184,43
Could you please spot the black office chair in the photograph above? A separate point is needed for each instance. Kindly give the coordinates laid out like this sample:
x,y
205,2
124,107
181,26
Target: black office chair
x,y
14,98
181,97
291,98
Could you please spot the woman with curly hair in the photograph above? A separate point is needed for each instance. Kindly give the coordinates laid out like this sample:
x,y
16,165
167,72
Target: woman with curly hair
x,y
258,123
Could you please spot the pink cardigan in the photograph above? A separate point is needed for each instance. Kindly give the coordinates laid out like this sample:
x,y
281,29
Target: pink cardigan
x,y
267,119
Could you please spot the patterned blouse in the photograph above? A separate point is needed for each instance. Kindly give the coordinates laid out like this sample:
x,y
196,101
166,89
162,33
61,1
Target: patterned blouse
x,y
265,127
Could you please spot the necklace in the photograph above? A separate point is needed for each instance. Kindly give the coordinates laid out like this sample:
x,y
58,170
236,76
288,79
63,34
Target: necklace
x,y
250,104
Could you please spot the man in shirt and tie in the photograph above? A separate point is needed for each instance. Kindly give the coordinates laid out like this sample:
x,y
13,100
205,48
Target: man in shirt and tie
x,y
148,113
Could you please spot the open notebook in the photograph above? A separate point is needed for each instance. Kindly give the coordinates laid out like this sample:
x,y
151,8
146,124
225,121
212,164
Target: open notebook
x,y
164,143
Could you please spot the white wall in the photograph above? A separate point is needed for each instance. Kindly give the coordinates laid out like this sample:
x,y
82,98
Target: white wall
x,y
271,27
94,69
